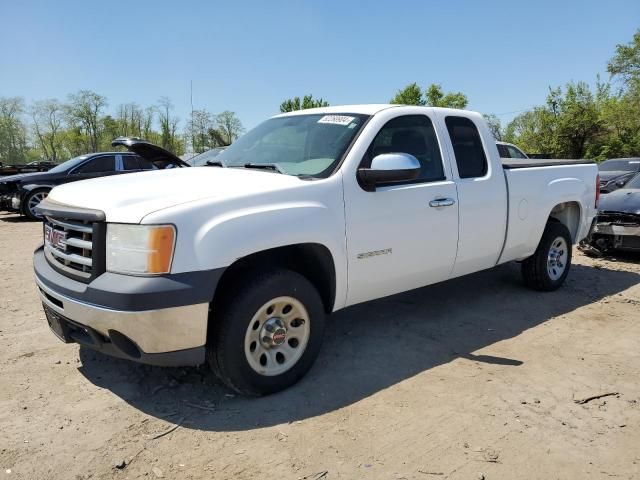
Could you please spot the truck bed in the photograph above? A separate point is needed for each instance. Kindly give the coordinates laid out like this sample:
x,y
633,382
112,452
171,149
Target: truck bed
x,y
534,191
512,164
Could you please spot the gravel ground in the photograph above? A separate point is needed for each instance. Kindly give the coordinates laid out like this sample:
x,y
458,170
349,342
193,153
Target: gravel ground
x,y
474,378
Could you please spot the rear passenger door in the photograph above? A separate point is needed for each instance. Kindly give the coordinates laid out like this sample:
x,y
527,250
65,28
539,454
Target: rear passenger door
x,y
482,193
399,237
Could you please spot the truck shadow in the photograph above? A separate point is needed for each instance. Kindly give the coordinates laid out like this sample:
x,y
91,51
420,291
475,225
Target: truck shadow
x,y
367,348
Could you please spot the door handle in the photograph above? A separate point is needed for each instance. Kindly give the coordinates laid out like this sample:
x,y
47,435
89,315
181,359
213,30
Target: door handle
x,y
442,202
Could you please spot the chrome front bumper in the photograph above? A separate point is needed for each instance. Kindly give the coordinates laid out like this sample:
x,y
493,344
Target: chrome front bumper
x,y
155,333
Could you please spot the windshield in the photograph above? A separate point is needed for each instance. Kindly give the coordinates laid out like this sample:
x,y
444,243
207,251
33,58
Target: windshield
x,y
308,145
203,158
63,167
619,166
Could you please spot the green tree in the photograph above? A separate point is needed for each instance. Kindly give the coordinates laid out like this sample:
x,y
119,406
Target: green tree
x,y
293,104
626,61
409,95
495,126
168,125
84,111
436,97
13,131
532,131
229,127
199,126
47,124
433,96
578,123
569,125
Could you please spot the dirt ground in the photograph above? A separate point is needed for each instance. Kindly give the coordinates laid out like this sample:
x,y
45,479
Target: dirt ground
x,y
474,378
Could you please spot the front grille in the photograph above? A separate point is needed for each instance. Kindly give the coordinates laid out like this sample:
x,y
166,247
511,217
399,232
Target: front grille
x,y
72,247
630,242
619,218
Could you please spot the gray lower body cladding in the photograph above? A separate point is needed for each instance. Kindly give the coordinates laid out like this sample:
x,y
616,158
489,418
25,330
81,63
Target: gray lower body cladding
x,y
156,320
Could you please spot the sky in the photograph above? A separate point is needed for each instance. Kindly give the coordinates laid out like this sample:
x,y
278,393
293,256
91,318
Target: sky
x,y
248,56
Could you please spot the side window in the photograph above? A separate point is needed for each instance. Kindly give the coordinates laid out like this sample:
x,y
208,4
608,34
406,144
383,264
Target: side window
x,y
146,164
515,153
130,162
103,164
502,150
415,135
467,147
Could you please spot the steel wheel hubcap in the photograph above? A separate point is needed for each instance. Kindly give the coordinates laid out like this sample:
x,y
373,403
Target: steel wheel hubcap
x,y
34,201
557,258
277,336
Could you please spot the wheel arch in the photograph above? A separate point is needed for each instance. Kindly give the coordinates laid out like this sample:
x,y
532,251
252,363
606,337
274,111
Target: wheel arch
x,y
569,214
312,260
27,190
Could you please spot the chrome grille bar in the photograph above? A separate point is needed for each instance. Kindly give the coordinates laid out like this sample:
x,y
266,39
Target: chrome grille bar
x,y
69,257
76,242
80,227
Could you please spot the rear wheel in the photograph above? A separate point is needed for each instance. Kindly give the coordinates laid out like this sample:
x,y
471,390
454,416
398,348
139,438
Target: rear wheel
x,y
31,201
268,334
548,267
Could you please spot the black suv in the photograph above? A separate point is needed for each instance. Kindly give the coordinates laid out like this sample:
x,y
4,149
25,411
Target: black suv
x,y
22,193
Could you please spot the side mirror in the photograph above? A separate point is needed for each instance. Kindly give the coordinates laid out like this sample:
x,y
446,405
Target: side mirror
x,y
389,168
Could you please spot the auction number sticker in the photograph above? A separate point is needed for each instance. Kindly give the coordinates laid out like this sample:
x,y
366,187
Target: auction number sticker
x,y
337,119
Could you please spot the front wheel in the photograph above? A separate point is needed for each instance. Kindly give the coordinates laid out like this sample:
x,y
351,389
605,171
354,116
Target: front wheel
x,y
548,267
268,334
31,201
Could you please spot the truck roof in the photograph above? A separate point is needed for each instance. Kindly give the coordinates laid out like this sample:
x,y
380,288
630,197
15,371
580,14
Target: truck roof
x,y
364,109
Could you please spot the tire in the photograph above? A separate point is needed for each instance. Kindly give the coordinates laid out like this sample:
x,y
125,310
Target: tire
x,y
31,200
549,266
248,327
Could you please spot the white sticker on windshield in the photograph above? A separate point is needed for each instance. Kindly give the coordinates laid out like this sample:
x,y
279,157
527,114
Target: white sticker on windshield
x,y
337,119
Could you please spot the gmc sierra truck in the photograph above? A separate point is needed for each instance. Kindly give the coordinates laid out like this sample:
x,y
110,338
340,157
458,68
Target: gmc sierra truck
x,y
306,214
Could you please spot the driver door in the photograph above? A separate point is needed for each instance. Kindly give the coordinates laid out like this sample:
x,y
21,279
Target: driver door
x,y
398,236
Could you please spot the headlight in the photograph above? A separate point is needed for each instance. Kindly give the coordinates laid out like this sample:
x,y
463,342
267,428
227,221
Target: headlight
x,y
140,249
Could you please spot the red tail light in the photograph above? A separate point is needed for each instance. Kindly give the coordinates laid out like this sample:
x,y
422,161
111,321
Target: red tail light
x,y
597,189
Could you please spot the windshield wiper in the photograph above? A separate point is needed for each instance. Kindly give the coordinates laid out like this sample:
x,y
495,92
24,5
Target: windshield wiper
x,y
215,163
265,166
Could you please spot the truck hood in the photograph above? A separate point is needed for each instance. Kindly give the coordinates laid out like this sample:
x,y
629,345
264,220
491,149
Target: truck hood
x,y
624,200
129,198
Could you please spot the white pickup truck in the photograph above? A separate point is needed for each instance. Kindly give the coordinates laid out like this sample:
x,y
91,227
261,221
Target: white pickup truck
x,y
238,264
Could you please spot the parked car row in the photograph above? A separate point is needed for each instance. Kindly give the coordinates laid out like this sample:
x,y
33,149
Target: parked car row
x,y
615,173
22,193
35,166
617,225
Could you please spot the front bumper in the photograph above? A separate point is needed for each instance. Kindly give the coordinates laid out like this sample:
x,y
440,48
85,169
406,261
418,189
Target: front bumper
x,y
616,236
9,202
153,320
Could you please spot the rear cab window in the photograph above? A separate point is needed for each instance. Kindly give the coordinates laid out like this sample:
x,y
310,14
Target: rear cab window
x,y
502,150
467,147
